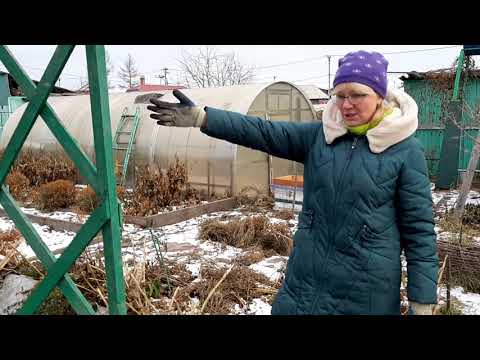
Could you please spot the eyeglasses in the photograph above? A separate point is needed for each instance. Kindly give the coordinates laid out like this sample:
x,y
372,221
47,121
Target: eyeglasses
x,y
353,99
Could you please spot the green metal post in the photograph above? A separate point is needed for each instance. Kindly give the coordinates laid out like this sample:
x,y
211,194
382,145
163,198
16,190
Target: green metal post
x,y
107,217
69,144
458,75
102,134
65,262
34,107
67,286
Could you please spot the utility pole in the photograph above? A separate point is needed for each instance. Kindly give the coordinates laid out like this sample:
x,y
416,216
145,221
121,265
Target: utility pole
x,y
164,76
329,57
165,72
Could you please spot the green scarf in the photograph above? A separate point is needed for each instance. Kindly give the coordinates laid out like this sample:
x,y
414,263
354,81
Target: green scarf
x,y
362,129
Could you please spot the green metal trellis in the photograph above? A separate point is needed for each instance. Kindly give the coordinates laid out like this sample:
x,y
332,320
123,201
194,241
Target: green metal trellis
x,y
107,217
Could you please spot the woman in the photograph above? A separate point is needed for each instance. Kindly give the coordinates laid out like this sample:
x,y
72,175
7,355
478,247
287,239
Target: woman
x,y
366,193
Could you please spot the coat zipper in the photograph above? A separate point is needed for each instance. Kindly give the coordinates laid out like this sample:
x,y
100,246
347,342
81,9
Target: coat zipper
x,y
349,157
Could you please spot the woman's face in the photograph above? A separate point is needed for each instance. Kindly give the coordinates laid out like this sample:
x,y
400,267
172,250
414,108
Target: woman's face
x,y
357,103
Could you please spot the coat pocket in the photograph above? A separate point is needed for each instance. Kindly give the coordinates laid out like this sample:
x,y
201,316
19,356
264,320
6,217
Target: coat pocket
x,y
305,219
350,240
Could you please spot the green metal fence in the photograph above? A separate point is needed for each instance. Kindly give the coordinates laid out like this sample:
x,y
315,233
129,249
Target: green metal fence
x,y
106,218
432,109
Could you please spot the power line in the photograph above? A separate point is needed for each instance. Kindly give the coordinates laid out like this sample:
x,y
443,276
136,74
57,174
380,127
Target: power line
x,y
291,63
411,51
341,55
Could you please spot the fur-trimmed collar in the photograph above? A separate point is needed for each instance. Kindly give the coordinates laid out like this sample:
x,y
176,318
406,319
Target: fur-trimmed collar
x,y
394,128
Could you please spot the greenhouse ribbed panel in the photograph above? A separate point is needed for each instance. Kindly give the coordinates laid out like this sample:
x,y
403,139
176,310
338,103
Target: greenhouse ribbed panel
x,y
212,164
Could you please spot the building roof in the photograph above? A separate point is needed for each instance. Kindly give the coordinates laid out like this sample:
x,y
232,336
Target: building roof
x,y
435,74
313,92
236,98
14,85
152,87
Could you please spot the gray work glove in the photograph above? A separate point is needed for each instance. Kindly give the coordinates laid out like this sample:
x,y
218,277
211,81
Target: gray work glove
x,y
183,114
421,309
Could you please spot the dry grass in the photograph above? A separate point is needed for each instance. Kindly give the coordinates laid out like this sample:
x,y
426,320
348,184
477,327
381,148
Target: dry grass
x,y
42,167
158,287
468,231
462,249
7,240
284,214
240,286
253,256
18,185
254,231
471,216
59,194
87,200
121,193
252,200
156,190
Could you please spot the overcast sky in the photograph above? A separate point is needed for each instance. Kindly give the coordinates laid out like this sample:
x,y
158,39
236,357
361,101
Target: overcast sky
x,y
305,64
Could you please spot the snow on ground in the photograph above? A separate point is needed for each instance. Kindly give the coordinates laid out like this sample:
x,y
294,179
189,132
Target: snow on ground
x,y
272,267
446,199
53,239
467,302
256,307
180,241
58,215
470,302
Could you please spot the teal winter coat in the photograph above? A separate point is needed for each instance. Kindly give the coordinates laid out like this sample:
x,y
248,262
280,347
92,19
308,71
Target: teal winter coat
x,y
365,199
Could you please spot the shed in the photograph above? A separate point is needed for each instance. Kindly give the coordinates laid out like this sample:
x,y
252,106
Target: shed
x,y
433,91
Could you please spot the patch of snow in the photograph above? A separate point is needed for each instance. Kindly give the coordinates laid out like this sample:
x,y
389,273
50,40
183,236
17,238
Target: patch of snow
x,y
58,215
194,268
271,267
470,301
256,307
276,221
259,307
14,292
53,239
195,301
6,224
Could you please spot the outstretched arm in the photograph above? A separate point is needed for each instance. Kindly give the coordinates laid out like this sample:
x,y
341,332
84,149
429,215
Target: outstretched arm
x,y
282,139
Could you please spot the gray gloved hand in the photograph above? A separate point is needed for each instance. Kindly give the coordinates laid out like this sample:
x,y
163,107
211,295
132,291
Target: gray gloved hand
x,y
183,114
421,309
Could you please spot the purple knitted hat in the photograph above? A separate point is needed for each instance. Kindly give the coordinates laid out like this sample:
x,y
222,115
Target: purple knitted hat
x,y
367,68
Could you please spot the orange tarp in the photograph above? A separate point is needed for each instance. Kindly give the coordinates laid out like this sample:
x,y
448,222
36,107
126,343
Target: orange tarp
x,y
289,180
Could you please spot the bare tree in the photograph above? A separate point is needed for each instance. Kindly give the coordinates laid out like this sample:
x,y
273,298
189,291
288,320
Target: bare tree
x,y
474,157
128,73
110,67
208,68
84,85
